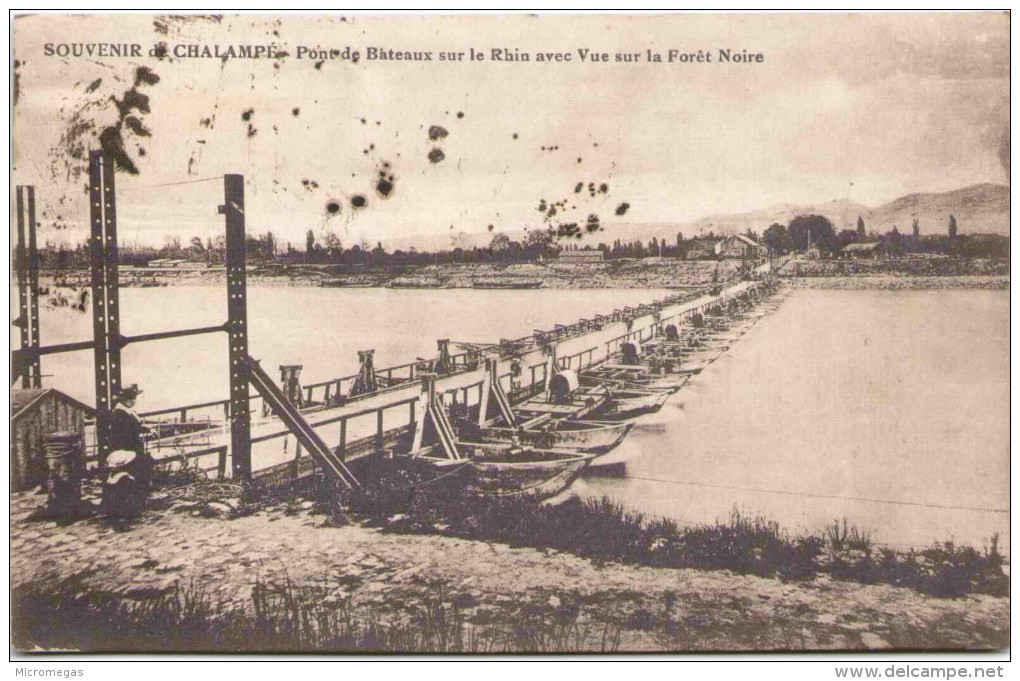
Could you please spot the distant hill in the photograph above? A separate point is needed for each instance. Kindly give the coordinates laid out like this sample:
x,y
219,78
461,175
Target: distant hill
x,y
979,209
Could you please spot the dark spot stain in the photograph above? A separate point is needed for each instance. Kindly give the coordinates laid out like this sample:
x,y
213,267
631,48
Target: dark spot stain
x,y
603,188
568,229
332,207
251,130
372,147
491,227
579,187
460,114
622,208
437,132
364,151
246,116
160,51
205,122
310,184
593,223
363,121
94,85
515,135
133,99
141,151
436,155
295,111
384,187
358,201
135,125
145,76
112,143
318,65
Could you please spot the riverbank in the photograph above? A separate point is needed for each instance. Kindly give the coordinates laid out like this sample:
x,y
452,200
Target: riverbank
x,y
644,273
514,597
900,283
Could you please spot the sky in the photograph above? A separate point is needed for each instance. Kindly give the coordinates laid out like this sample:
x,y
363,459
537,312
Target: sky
x,y
861,107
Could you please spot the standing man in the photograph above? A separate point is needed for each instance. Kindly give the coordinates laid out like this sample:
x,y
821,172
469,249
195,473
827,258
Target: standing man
x,y
128,483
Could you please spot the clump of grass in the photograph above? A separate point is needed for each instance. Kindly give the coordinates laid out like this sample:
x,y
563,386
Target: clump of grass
x,y
281,617
602,530
174,473
850,554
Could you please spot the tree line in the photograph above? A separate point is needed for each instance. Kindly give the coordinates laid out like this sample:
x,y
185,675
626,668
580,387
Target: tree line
x,y
817,231
536,245
326,248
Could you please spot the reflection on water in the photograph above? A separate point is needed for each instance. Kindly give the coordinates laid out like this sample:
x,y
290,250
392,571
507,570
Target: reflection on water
x,y
835,403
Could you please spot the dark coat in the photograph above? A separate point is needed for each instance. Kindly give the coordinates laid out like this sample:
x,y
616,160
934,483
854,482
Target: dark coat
x,y
125,432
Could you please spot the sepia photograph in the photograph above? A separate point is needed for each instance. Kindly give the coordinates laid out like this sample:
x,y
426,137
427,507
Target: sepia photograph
x,y
511,334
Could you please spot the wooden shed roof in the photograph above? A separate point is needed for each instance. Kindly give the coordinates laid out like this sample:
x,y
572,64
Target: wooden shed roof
x,y
22,401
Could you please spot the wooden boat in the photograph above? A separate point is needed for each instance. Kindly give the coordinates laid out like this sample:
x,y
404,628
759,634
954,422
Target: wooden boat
x,y
590,437
343,283
637,377
568,399
628,404
418,284
507,284
509,471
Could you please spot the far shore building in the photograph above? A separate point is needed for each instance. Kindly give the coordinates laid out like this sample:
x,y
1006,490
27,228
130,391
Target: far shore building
x,y
862,251
582,257
735,246
704,249
743,247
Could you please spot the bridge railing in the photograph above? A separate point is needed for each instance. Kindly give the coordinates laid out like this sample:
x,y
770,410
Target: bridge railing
x,y
336,390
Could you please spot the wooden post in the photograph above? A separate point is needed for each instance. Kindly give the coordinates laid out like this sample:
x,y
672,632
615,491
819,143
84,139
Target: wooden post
x,y
342,449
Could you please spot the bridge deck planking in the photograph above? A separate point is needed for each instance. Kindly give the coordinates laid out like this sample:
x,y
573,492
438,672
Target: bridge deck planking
x,y
273,445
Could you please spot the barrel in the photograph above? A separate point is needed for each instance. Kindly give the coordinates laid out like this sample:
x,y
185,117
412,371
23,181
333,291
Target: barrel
x,y
65,467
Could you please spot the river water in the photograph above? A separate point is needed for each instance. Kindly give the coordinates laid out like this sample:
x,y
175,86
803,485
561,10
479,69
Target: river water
x,y
888,408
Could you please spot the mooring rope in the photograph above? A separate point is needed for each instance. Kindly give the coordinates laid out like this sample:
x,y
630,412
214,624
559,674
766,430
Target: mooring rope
x,y
171,184
817,496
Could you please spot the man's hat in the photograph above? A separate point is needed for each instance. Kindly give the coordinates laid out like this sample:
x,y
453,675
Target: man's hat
x,y
128,393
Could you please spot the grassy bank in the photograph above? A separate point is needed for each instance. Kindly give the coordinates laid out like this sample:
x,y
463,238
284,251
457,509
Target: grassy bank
x,y
602,530
284,617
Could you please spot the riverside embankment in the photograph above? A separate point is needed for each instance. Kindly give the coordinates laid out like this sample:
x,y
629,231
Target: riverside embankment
x,y
512,594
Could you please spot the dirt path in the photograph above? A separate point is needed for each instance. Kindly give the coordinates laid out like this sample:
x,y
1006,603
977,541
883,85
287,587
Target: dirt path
x,y
388,574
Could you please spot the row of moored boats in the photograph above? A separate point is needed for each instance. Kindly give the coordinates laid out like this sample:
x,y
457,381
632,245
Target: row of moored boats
x,y
539,445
